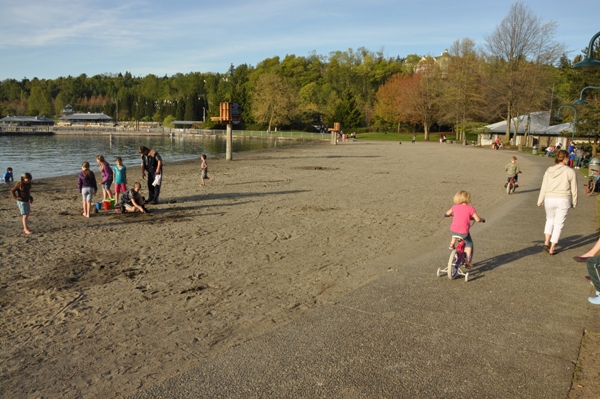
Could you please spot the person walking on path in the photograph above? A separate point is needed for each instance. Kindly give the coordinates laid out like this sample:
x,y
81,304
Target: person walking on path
x,y
152,163
558,194
21,193
86,182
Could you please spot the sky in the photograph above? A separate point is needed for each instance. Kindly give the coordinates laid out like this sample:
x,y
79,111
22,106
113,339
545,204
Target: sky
x,y
52,38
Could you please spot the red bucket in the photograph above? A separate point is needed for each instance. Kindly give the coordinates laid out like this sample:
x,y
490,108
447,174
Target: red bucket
x,y
106,205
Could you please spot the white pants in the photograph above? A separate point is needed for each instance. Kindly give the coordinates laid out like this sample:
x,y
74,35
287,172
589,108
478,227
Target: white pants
x,y
556,214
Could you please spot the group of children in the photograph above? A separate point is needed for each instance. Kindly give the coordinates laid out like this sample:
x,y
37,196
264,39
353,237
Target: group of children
x,y
131,200
86,182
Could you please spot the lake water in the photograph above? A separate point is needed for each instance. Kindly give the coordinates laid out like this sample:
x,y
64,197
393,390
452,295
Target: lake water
x,y
59,155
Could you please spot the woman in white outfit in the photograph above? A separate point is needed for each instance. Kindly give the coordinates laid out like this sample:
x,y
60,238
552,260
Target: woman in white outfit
x,y
558,194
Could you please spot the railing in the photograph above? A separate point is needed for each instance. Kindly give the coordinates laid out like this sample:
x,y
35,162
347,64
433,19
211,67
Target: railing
x,y
162,131
248,133
25,129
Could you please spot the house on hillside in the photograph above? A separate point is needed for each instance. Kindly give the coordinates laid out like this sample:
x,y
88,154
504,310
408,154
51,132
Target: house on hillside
x,y
441,62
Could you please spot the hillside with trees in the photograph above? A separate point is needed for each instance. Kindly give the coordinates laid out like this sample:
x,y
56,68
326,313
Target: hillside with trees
x,y
519,69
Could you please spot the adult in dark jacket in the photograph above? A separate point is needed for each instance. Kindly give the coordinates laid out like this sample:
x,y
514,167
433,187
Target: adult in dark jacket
x,y
152,164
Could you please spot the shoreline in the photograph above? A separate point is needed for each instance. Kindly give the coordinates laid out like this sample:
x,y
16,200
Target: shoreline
x,y
86,147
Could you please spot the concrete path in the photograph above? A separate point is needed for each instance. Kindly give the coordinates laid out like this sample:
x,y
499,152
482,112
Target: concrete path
x,y
512,331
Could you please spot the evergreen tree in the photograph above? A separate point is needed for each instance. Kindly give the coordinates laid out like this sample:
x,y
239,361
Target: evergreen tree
x,y
346,112
180,113
191,107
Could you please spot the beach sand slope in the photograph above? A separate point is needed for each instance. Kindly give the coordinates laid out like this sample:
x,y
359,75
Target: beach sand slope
x,y
106,306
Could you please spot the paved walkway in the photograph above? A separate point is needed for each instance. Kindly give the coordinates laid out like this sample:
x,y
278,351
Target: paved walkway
x,y
512,331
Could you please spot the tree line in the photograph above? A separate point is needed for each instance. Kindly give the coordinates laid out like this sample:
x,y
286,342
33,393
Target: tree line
x,y
518,69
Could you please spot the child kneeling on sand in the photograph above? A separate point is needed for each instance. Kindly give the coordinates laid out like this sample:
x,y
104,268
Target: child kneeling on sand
x,y
132,200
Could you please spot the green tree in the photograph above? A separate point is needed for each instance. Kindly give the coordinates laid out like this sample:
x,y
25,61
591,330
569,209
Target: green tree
x,y
588,120
40,102
273,101
346,112
168,121
191,108
180,113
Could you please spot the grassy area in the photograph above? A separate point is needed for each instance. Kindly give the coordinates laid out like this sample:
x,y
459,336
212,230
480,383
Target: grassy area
x,y
434,137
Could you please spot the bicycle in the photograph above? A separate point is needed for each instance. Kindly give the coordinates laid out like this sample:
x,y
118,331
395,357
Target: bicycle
x,y
592,185
511,186
457,258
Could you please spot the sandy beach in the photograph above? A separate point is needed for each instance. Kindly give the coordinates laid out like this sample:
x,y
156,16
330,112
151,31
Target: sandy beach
x,y
107,306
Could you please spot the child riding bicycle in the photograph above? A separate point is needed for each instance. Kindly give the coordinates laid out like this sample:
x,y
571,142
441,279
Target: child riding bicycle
x,y
461,223
512,171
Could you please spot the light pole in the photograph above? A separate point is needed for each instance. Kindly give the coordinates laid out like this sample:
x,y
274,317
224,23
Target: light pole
x,y
581,101
558,115
589,62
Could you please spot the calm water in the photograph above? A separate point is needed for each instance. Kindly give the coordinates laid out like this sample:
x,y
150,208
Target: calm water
x,y
48,156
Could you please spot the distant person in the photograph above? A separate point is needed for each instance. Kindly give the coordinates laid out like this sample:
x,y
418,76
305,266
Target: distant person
x,y
204,169
152,164
512,171
21,193
106,177
462,213
120,174
8,176
86,182
572,156
132,200
580,156
414,139
558,194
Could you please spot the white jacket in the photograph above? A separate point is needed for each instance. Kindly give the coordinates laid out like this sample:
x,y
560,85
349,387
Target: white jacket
x,y
560,181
